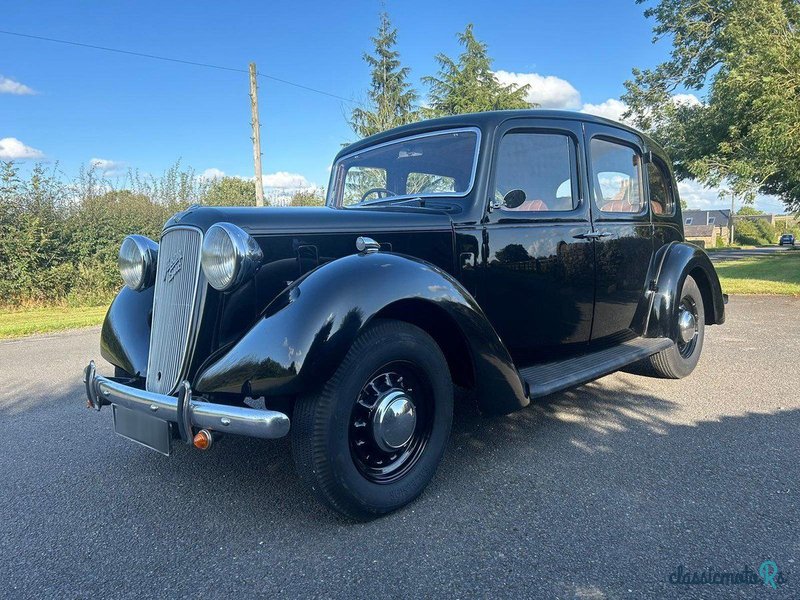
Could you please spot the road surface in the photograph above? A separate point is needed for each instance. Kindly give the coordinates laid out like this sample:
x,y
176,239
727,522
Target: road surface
x,y
599,492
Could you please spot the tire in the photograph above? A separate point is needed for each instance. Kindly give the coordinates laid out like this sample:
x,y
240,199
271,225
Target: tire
x,y
336,434
680,359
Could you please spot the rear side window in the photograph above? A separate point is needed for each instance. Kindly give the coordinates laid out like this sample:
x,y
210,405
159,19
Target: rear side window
x,y
661,202
542,165
616,172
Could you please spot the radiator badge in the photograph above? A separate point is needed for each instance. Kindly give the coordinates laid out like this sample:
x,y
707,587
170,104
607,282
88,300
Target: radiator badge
x,y
174,267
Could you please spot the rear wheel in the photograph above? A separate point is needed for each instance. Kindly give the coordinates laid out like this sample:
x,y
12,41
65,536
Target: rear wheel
x,y
681,358
371,441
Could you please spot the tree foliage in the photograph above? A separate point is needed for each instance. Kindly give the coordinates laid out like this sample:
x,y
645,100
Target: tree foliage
x,y
468,85
745,56
754,232
391,97
59,238
307,198
231,191
747,211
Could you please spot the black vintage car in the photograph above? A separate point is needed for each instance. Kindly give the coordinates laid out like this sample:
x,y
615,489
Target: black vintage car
x,y
513,254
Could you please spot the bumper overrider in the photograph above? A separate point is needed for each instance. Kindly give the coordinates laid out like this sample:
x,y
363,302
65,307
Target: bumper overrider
x,y
186,412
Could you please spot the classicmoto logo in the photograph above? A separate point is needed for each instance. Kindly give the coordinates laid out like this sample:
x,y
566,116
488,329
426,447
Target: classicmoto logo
x,y
174,267
767,574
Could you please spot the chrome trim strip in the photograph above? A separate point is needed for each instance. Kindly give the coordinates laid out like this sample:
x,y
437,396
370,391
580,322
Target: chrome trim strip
x,y
476,130
267,424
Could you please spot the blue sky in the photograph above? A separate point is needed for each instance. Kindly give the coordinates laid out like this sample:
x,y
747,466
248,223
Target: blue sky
x,y
130,111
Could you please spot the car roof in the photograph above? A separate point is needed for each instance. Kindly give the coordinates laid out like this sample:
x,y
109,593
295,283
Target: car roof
x,y
485,121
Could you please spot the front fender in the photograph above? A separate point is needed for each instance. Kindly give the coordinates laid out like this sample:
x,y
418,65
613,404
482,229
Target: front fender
x,y
306,331
679,260
125,339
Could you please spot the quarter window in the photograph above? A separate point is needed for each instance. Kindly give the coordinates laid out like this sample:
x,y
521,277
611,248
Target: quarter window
x,y
689,220
660,195
616,171
542,166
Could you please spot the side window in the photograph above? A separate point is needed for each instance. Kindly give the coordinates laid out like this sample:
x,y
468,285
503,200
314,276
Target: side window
x,y
661,202
542,166
689,220
359,180
616,172
419,183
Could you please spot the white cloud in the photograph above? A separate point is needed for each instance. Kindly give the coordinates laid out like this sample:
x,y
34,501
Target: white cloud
x,y
283,180
610,109
548,91
614,108
212,173
107,166
687,99
13,149
9,86
696,195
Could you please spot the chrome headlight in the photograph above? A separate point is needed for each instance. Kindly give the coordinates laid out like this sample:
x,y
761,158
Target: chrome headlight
x,y
137,261
230,255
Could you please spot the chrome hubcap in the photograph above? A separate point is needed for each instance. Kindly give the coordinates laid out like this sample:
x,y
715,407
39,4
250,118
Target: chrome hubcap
x,y
394,421
687,325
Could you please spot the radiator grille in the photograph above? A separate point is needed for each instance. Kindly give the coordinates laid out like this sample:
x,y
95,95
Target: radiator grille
x,y
175,308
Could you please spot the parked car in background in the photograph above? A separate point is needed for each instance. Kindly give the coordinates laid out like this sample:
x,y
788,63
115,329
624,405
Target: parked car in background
x,y
513,254
787,239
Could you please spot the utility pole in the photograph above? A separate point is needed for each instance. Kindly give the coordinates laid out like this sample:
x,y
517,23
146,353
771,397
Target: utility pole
x,y
256,135
730,220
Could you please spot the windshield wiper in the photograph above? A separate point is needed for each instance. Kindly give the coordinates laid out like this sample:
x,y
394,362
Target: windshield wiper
x,y
388,200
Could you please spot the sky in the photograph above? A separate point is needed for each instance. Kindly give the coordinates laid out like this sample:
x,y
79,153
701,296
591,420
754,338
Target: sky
x,y
76,106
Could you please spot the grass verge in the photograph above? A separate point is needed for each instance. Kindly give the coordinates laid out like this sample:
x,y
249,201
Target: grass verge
x,y
20,322
776,275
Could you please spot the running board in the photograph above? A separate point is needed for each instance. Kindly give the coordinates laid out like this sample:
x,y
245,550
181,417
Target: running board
x,y
553,377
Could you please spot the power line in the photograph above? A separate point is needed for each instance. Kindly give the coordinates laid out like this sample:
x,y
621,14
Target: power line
x,y
181,61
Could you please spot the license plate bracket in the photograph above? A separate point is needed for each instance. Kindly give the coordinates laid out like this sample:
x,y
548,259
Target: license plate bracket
x,y
143,429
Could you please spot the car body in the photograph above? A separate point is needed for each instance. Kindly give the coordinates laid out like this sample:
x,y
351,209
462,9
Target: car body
x,y
787,239
521,252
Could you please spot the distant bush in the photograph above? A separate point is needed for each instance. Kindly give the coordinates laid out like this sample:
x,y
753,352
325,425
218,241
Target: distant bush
x,y
756,232
59,238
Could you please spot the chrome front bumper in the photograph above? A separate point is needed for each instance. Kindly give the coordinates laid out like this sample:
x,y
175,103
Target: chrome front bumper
x,y
184,410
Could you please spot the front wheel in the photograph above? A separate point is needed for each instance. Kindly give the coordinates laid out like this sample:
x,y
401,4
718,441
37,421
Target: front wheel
x,y
681,358
371,441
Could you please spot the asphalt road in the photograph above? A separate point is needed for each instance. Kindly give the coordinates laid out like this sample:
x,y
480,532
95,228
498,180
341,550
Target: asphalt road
x,y
599,492
726,255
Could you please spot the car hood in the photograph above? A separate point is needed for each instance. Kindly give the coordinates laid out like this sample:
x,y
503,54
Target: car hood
x,y
292,220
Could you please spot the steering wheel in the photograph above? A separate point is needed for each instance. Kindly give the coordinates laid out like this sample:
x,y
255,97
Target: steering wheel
x,y
381,192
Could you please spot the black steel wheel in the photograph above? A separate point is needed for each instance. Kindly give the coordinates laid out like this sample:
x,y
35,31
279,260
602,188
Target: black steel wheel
x,y
680,359
391,422
371,441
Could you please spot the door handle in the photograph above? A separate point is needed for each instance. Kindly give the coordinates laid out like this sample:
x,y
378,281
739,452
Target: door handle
x,y
592,235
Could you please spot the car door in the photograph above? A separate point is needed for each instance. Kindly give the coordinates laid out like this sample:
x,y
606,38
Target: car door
x,y
537,280
622,228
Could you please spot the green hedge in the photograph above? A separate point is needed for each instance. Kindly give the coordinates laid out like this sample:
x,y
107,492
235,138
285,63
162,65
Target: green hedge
x,y
59,238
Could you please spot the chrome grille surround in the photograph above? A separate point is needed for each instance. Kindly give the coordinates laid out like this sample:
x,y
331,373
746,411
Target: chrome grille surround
x,y
177,303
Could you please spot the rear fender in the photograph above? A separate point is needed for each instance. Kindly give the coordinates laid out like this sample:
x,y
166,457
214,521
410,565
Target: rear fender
x,y
307,330
678,260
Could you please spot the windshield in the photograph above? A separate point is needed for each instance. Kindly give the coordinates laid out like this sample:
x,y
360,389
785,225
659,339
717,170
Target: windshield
x,y
431,164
